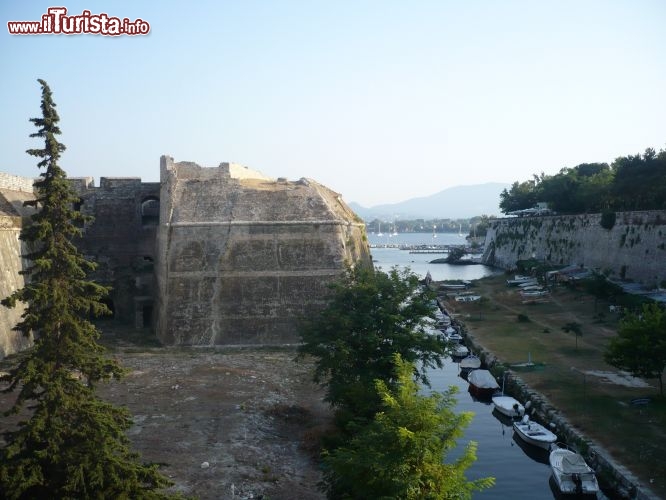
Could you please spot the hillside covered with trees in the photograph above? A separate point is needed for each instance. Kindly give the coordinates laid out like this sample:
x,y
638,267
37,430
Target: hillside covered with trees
x,y
630,183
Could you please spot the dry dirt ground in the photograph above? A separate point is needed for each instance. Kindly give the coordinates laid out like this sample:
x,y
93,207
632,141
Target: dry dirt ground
x,y
233,423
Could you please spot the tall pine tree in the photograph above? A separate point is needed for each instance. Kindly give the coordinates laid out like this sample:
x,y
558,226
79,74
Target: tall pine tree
x,y
74,444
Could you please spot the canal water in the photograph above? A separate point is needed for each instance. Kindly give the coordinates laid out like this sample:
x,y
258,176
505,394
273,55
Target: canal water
x,y
521,471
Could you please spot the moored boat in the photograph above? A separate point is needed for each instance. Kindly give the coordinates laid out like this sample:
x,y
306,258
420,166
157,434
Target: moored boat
x,y
534,433
452,334
482,384
508,406
469,363
519,280
571,473
459,351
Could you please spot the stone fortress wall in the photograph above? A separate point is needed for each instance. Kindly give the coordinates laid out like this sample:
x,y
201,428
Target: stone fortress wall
x,y
633,249
218,255
14,190
248,256
121,240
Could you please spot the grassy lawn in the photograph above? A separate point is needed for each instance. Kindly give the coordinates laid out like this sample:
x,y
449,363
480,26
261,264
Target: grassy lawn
x,y
635,436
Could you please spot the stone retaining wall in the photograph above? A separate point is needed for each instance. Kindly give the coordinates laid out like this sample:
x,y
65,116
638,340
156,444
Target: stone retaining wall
x,y
633,248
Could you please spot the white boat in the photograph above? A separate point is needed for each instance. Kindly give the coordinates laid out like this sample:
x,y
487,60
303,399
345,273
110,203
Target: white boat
x,y
471,362
459,351
535,293
534,433
467,298
453,286
482,384
572,475
508,406
452,334
443,322
518,280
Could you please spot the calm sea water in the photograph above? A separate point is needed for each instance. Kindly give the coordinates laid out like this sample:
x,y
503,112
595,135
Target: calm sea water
x,y
420,263
521,472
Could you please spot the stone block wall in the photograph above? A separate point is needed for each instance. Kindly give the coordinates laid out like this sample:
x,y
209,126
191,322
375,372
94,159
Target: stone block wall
x,y
11,248
241,258
121,240
206,256
14,190
634,248
9,182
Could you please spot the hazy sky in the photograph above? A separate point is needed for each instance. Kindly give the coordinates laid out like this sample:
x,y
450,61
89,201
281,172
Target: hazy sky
x,y
379,100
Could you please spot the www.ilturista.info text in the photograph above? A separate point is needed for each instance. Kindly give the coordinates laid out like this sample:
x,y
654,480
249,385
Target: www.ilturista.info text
x,y
57,22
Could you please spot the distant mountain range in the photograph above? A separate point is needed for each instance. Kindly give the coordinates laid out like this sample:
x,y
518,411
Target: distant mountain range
x,y
460,202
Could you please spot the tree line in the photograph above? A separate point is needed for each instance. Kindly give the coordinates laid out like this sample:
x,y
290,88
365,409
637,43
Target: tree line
x,y
474,227
634,182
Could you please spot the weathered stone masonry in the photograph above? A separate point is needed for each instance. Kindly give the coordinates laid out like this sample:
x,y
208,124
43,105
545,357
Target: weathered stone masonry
x,y
218,255
240,262
14,191
634,248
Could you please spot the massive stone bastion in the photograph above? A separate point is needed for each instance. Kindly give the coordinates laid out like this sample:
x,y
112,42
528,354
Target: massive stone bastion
x,y
241,257
219,255
632,248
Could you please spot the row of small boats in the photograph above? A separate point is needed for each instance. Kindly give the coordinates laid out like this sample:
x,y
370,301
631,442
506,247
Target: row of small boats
x,y
571,473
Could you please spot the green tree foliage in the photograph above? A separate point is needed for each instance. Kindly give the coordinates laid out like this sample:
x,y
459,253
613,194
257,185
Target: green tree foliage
x,y
372,315
634,182
521,195
73,445
608,218
574,328
640,181
478,226
401,453
640,344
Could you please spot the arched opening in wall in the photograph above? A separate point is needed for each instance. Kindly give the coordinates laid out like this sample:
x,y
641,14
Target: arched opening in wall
x,y
147,313
150,212
147,264
78,206
143,264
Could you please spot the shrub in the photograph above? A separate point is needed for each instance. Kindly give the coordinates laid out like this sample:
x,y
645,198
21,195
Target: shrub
x,y
608,219
523,318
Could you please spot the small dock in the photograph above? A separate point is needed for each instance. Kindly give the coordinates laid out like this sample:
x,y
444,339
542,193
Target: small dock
x,y
439,251
419,248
